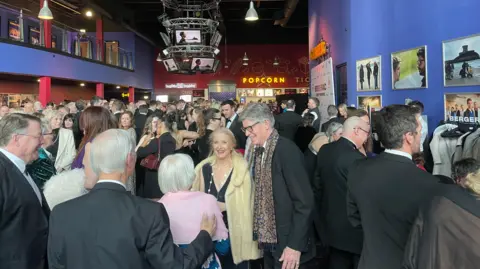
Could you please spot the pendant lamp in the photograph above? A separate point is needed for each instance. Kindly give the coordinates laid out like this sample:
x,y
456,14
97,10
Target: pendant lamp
x,y
245,57
275,62
251,13
45,13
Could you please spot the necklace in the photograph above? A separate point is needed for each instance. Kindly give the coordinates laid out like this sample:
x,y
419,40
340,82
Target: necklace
x,y
212,181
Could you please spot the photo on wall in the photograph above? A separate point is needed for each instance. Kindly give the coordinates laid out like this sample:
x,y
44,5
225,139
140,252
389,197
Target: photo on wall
x,y
409,69
34,35
462,107
374,101
369,74
13,30
461,61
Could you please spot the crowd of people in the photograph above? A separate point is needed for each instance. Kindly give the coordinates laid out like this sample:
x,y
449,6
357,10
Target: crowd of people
x,y
207,184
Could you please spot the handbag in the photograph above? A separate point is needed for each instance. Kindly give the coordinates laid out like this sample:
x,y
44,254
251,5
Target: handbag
x,y
152,161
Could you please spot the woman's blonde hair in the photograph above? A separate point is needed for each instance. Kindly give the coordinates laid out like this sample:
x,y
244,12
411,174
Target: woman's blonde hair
x,y
224,131
472,181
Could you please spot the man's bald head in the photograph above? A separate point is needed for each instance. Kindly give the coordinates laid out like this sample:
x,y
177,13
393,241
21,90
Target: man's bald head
x,y
356,130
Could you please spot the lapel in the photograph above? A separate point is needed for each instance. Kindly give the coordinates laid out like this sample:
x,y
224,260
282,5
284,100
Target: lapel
x,y
234,122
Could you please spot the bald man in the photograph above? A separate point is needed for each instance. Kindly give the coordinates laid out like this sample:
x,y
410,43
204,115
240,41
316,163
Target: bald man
x,y
330,189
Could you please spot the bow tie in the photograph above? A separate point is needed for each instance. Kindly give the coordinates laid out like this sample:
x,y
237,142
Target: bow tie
x,y
259,151
229,120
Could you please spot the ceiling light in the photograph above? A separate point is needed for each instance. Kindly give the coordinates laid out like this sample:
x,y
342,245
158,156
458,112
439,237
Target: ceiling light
x,y
245,63
89,13
45,13
145,97
82,84
245,57
118,87
216,51
165,52
275,61
159,57
83,31
38,80
251,13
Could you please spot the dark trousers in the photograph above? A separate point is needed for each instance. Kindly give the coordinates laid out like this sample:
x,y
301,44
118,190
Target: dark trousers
x,y
340,259
271,262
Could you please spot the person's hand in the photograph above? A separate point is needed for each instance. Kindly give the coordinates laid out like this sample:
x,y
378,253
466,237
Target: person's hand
x,y
290,258
209,224
147,140
305,111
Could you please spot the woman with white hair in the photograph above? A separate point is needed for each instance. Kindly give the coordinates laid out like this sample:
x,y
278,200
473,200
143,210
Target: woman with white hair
x,y
186,208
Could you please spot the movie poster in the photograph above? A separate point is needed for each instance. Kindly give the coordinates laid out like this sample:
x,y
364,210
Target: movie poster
x,y
54,41
374,101
13,30
461,61
369,74
34,35
409,69
462,107
322,86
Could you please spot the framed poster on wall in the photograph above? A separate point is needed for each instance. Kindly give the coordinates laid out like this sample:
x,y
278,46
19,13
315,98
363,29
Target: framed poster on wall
x,y
369,74
409,69
13,30
34,35
54,41
462,107
372,101
461,61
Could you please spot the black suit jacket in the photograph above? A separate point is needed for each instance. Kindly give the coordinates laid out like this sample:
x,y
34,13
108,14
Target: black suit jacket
x,y
334,161
287,124
385,195
140,120
236,128
109,228
23,221
324,127
293,198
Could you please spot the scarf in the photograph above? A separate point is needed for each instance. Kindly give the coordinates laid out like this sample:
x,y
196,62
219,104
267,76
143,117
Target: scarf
x,y
264,225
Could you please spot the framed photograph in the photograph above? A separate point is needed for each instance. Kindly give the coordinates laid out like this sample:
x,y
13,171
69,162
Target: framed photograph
x,y
461,61
369,74
462,107
13,30
409,69
374,101
33,35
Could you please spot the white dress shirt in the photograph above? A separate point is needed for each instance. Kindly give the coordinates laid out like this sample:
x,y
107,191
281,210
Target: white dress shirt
x,y
112,181
231,120
20,164
399,153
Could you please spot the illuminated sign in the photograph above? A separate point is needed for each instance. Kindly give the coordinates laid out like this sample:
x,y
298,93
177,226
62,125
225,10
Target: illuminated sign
x,y
125,95
252,80
318,51
181,85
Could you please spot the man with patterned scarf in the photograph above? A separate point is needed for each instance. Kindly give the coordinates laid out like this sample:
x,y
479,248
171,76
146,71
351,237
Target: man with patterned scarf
x,y
283,199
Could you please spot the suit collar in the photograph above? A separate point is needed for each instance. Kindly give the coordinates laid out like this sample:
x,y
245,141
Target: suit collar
x,y
395,158
19,163
348,141
107,185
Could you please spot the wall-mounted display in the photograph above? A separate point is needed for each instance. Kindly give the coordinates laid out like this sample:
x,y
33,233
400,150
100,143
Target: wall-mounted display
x,y
374,101
13,30
260,92
202,64
34,35
251,92
462,107
183,37
242,92
461,61
170,65
278,92
369,74
409,69
269,93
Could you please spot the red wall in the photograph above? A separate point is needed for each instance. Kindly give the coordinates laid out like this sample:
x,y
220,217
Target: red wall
x,y
293,67
59,92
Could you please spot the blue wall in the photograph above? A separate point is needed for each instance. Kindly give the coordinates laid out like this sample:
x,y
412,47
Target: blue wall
x,y
380,27
144,59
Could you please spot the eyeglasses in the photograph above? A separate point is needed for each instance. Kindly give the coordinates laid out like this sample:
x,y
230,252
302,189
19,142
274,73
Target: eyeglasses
x,y
249,128
33,136
368,132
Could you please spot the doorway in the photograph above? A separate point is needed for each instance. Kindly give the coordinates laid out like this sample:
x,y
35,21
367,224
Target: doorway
x,y
341,87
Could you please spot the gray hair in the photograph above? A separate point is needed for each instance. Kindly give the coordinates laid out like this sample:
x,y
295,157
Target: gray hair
x,y
177,173
109,151
332,129
16,123
258,112
332,110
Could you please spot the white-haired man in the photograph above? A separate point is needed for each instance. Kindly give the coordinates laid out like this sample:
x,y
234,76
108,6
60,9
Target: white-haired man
x,y
334,161
109,228
283,201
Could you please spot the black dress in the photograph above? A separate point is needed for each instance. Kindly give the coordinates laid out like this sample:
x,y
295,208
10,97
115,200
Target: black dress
x,y
210,188
149,187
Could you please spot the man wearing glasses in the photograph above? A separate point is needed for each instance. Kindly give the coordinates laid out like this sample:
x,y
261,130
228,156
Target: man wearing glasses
x,y
330,188
283,201
24,211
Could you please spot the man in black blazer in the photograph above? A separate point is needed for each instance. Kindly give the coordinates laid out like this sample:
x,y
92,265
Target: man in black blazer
x,y
334,161
288,122
288,193
110,228
332,114
24,211
140,119
386,192
228,111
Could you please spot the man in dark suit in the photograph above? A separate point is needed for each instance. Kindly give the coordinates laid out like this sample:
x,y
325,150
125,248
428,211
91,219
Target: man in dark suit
x,y
386,192
77,132
228,111
312,107
283,201
288,122
110,228
334,161
332,114
24,210
140,119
